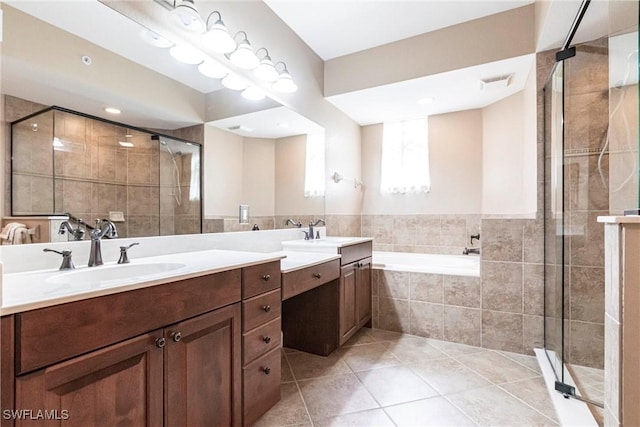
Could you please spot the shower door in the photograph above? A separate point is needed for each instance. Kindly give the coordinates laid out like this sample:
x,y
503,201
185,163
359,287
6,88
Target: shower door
x,y
554,244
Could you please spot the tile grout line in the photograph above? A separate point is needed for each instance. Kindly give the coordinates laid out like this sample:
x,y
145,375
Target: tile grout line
x,y
525,403
295,380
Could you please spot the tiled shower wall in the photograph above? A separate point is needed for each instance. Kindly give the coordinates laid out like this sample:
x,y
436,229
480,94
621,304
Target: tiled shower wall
x,y
336,225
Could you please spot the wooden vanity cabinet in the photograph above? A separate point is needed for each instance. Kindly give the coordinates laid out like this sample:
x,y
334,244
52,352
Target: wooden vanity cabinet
x,y
355,289
261,339
169,354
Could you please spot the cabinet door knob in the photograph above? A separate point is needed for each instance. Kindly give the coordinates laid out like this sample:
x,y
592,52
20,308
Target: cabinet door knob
x,y
266,370
266,277
266,308
317,275
266,339
177,336
161,342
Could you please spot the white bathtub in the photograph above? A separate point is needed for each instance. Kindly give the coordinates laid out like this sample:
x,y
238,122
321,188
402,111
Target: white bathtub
x,y
455,265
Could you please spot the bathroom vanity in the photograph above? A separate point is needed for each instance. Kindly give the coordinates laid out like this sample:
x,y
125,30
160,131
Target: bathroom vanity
x,y
173,353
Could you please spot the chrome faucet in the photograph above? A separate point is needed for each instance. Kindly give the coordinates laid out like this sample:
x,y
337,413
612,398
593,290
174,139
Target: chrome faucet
x,y
313,224
468,251
77,233
104,228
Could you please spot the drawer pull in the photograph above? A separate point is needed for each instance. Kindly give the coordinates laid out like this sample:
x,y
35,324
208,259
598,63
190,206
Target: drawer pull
x,y
266,308
266,339
161,342
177,336
266,370
317,275
266,277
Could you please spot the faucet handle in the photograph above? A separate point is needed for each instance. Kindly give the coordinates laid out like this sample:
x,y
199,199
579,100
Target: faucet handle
x,y
67,262
306,234
124,258
475,236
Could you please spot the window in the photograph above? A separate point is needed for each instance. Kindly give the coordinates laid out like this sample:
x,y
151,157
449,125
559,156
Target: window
x,y
314,166
405,158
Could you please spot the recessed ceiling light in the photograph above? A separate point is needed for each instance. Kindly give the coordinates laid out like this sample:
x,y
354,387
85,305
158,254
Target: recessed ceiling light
x,y
128,135
112,110
424,101
126,144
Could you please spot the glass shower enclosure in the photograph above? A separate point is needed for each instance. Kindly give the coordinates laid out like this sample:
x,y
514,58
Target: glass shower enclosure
x,y
590,170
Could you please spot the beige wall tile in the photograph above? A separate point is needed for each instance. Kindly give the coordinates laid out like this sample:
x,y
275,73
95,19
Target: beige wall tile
x,y
502,331
462,291
587,294
532,333
428,230
586,344
427,320
502,240
426,287
587,242
463,325
533,289
453,231
404,230
533,241
393,284
502,286
393,314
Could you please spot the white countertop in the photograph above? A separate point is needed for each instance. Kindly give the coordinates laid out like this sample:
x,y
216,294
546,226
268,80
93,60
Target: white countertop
x,y
43,288
628,219
299,260
325,245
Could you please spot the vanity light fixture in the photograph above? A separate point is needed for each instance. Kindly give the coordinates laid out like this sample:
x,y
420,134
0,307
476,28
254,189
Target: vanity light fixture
x,y
265,71
234,83
186,16
212,70
112,110
244,57
285,83
217,37
186,54
154,39
253,93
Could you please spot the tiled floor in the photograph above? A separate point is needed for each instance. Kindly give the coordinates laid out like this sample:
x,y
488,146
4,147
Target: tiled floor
x,y
382,378
590,384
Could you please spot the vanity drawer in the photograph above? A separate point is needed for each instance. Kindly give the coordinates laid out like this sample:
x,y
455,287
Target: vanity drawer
x,y
353,253
260,309
261,385
299,281
261,340
260,278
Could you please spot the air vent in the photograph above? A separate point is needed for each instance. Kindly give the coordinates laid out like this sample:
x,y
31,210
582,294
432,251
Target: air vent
x,y
495,82
236,127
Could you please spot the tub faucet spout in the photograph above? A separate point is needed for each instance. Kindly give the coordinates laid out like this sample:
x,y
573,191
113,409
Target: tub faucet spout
x,y
468,251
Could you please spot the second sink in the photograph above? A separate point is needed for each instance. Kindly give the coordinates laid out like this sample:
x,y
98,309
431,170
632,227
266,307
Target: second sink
x,y
103,275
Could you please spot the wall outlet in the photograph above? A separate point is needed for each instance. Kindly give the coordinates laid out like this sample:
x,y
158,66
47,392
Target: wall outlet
x,y
116,216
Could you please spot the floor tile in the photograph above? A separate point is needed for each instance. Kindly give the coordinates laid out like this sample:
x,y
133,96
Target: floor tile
x,y
448,376
370,418
305,365
359,338
335,395
397,384
495,367
492,406
530,362
534,393
289,411
414,350
454,349
369,356
382,335
286,374
436,411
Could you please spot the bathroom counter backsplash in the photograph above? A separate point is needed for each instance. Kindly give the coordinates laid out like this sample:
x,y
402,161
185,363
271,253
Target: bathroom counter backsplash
x,y
42,288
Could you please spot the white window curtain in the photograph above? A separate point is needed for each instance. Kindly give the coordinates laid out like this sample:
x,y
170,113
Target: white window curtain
x,y
194,184
314,166
405,158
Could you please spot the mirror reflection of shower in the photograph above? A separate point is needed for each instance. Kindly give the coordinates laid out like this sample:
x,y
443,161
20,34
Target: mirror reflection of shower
x,y
184,165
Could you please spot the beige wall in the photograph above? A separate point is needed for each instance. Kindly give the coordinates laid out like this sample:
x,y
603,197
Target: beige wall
x,y
223,178
509,155
455,158
258,166
500,36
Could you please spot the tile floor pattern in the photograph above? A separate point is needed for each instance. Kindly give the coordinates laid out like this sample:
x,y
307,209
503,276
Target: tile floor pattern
x,y
382,378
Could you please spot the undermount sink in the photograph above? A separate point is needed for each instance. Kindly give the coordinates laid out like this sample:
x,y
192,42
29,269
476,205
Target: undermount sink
x,y
329,244
104,275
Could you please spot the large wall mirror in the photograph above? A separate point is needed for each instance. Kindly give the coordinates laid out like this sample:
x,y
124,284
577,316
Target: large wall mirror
x,y
43,65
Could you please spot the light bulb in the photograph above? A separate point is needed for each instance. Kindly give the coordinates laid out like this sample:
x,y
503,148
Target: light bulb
x,y
186,16
212,70
285,83
244,57
266,71
217,38
234,83
253,93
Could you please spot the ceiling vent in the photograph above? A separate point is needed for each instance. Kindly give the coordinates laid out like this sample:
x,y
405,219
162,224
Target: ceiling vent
x,y
495,82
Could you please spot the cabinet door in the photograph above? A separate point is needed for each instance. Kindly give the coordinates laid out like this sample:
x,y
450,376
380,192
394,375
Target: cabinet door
x,y
118,385
348,318
363,292
203,370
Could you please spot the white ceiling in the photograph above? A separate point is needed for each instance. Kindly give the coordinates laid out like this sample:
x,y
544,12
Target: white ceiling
x,y
337,28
